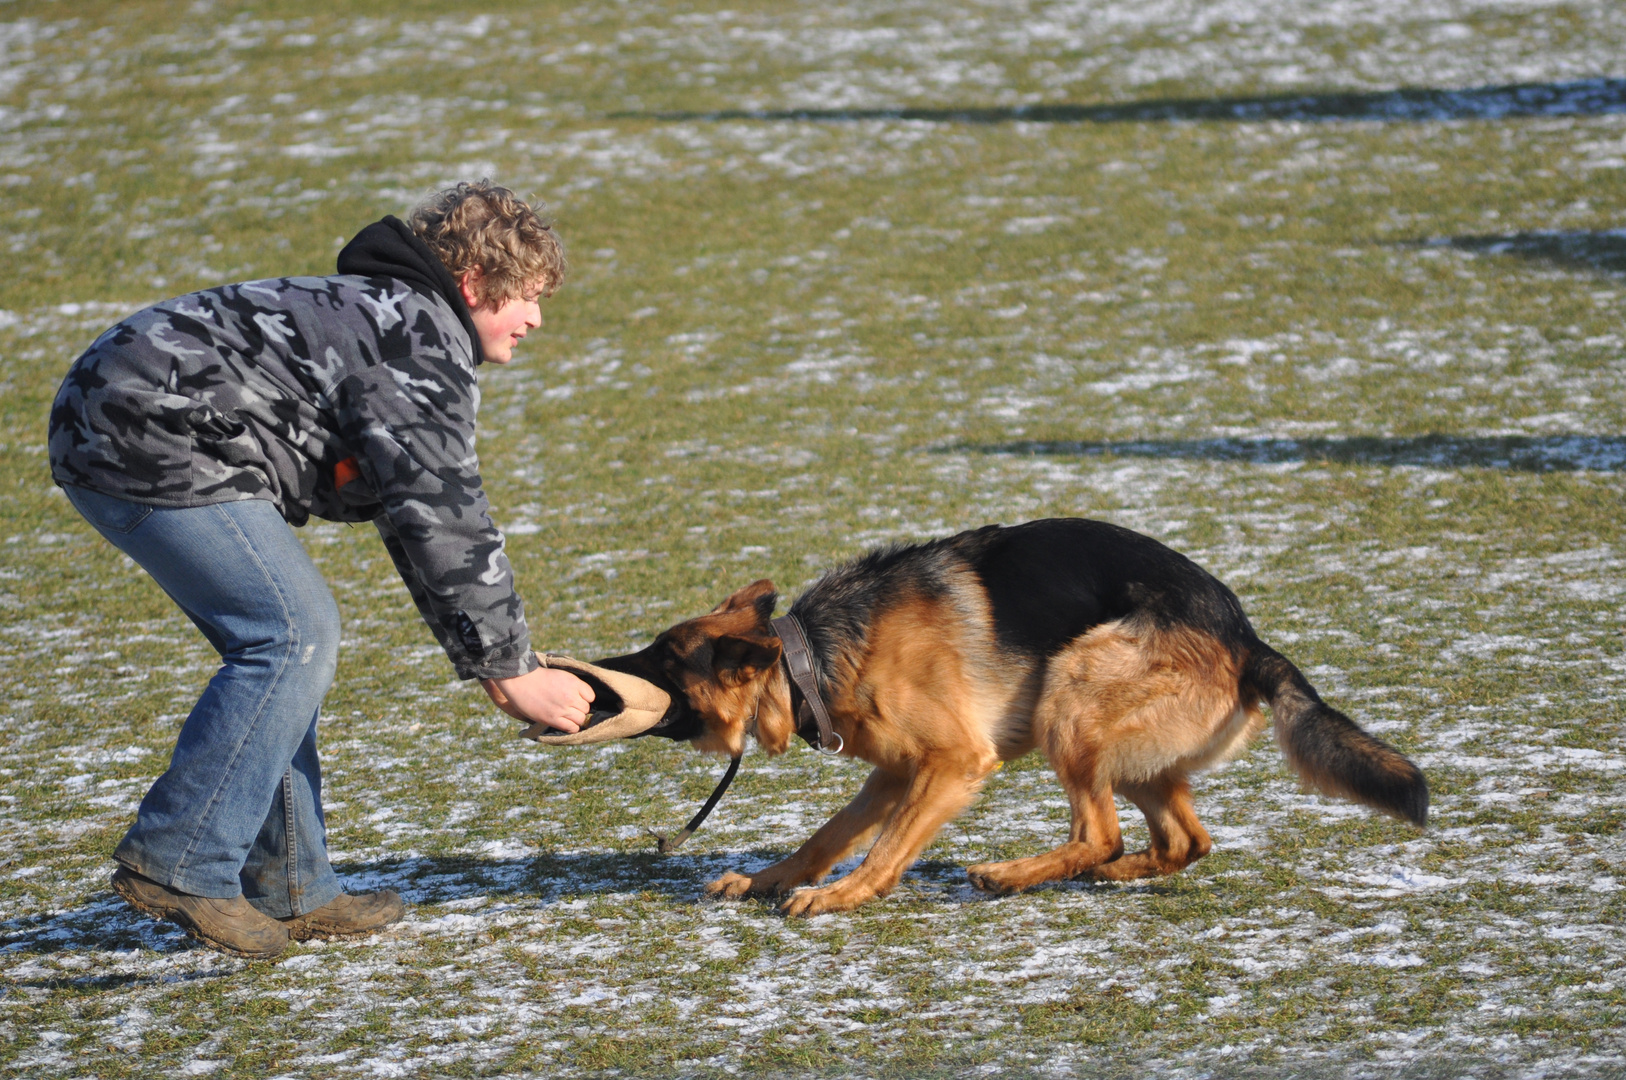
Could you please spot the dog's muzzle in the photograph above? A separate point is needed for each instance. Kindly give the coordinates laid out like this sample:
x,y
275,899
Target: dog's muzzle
x,y
624,706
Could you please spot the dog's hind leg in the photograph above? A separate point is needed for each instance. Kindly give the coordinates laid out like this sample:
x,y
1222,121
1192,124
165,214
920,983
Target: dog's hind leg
x,y
1094,839
1099,677
836,839
1130,701
1178,839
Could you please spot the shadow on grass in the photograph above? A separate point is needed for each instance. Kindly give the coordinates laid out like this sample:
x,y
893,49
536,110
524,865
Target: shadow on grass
x,y
1584,97
548,878
1517,453
108,924
90,984
105,923
1602,250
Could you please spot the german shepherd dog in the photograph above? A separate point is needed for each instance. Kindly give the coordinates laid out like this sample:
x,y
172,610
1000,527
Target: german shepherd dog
x,y
1129,665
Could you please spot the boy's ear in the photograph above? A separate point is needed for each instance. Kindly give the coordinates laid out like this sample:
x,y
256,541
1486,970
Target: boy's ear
x,y
760,595
469,285
737,660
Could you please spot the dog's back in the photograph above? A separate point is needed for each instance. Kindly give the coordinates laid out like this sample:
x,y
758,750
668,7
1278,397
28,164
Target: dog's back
x,y
1046,582
1043,584
1050,581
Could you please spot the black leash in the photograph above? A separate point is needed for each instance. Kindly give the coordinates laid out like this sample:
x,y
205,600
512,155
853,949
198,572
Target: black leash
x,y
665,845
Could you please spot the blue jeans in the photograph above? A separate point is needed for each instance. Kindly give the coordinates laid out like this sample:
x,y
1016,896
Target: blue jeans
x,y
239,810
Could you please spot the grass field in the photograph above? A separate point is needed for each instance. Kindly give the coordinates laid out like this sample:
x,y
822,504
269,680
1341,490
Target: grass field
x,y
1330,296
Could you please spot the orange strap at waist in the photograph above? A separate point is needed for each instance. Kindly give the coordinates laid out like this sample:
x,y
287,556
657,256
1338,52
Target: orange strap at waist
x,y
345,471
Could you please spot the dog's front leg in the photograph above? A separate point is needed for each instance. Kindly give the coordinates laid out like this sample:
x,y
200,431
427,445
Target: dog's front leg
x,y
853,824
938,791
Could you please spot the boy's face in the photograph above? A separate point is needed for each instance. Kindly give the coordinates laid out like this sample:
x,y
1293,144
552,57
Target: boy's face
x,y
501,326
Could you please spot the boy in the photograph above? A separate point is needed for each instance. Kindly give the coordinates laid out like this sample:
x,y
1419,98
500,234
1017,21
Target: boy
x,y
193,434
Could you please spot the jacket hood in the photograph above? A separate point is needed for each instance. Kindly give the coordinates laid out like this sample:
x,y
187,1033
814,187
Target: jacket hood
x,y
389,248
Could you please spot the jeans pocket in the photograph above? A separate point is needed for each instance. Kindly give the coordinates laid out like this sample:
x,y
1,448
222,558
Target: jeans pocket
x,y
108,513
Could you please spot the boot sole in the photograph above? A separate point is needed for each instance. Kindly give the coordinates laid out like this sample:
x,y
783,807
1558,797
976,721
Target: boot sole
x,y
180,920
332,935
308,933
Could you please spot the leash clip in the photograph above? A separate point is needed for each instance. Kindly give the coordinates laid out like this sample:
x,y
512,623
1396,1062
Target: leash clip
x,y
841,744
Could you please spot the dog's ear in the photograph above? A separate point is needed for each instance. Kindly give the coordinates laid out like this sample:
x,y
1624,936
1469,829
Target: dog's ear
x,y
737,660
759,594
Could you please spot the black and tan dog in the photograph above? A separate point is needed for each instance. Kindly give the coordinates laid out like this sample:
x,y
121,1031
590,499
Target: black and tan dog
x,y
1129,665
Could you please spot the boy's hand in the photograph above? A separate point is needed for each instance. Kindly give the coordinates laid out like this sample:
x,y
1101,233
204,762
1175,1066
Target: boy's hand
x,y
544,696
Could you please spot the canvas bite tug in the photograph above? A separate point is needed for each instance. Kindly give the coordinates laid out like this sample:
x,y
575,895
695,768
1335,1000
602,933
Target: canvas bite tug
x,y
1125,662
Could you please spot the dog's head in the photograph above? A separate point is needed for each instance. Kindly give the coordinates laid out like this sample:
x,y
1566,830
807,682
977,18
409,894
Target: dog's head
x,y
715,668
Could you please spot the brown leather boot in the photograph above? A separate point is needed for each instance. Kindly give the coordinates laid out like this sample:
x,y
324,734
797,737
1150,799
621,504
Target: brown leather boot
x,y
229,926
347,916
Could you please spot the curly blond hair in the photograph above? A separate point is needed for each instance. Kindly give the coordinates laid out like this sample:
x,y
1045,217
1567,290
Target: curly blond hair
x,y
486,227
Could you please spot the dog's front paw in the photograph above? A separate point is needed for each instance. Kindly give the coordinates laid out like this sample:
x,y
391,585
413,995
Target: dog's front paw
x,y
734,886
996,878
840,896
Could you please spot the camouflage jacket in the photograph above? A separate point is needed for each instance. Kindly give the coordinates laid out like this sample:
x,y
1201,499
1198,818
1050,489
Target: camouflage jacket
x,y
263,390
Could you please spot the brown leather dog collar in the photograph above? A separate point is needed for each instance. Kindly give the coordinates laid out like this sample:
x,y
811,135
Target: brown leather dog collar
x,y
798,659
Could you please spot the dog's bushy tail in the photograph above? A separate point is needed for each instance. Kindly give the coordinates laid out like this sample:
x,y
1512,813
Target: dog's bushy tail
x,y
1328,750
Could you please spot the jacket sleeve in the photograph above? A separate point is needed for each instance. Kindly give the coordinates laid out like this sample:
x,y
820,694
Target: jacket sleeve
x,y
410,420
